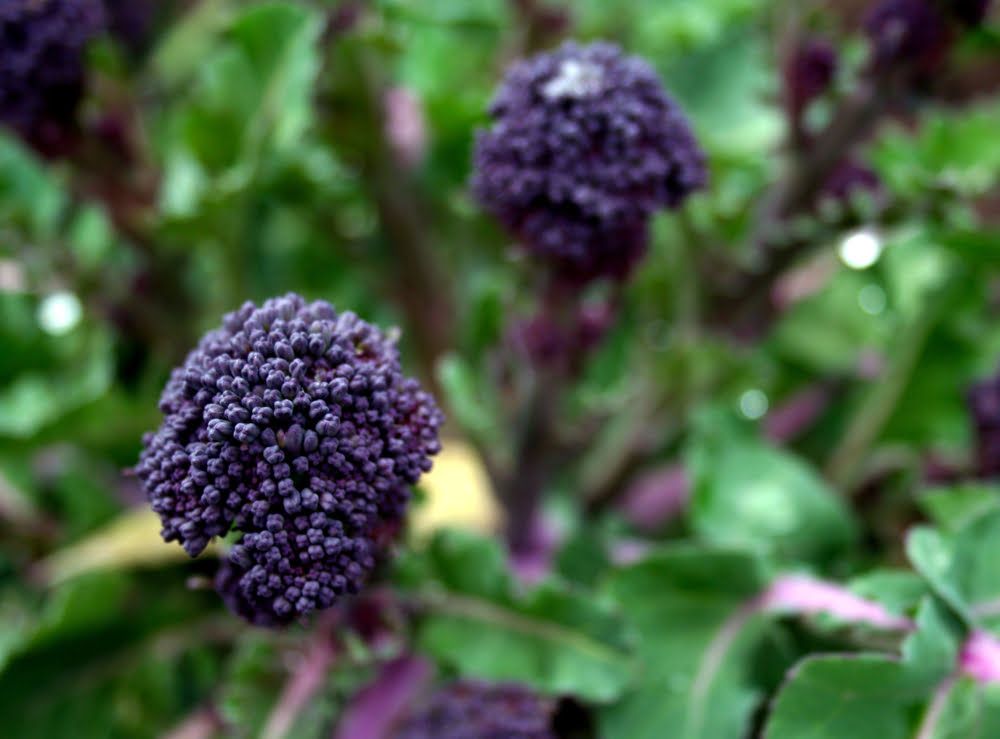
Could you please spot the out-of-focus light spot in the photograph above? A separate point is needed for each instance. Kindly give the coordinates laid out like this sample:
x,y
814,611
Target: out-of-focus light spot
x,y
59,313
860,249
753,404
872,299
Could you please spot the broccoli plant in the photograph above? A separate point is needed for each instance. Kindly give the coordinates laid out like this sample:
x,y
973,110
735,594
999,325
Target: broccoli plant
x,y
500,369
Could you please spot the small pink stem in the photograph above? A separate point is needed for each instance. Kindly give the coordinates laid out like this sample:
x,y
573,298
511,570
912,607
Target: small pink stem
x,y
806,595
936,709
308,678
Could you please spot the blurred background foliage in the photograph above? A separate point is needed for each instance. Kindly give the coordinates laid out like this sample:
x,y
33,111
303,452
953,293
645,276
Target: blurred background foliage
x,y
325,148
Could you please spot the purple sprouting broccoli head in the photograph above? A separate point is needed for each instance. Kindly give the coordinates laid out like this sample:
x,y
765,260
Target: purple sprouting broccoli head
x,y
43,68
915,33
295,425
585,146
475,710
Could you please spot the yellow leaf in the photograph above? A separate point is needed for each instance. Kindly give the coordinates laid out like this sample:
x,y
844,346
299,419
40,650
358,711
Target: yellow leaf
x,y
459,493
131,540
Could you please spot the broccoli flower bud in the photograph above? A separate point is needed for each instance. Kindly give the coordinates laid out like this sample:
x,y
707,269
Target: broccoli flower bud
x,y
585,146
43,68
295,425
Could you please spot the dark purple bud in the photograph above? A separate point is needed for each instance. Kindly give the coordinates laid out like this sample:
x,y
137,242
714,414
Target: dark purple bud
x,y
42,68
585,146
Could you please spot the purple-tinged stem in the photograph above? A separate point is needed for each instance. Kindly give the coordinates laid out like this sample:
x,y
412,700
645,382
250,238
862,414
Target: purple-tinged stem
x,y
308,678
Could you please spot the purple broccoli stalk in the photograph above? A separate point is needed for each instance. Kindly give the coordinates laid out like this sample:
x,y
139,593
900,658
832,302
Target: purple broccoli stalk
x,y
43,68
473,710
548,343
295,425
585,146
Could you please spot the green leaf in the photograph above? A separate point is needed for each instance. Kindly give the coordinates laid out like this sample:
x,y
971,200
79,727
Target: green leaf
x,y
953,507
251,99
835,314
253,680
279,40
971,711
553,638
930,552
978,248
723,87
748,494
691,608
89,602
861,696
187,42
30,197
955,150
866,696
961,566
111,656
467,397
898,590
931,651
46,376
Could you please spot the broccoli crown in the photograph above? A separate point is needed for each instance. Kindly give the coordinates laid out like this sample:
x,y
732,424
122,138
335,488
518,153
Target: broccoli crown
x,y
984,406
809,71
585,146
294,425
474,710
910,32
42,67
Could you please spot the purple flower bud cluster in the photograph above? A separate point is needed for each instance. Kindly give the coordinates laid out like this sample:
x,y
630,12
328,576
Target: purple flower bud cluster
x,y
809,71
474,710
984,406
42,67
585,146
908,32
294,424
